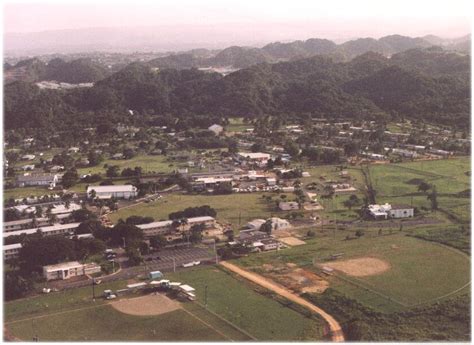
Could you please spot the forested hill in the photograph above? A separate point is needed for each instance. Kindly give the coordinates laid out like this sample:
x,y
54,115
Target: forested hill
x,y
436,89
75,71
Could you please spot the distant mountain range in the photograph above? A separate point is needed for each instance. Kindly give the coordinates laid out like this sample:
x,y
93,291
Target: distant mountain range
x,y
235,57
242,57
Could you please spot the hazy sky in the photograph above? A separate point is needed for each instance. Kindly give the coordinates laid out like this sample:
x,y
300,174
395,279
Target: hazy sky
x,y
324,18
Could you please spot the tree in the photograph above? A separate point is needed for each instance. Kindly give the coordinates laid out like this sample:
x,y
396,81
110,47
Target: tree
x,y
433,197
16,286
267,227
137,220
112,171
223,188
70,178
82,215
90,226
196,233
311,233
359,233
38,251
424,187
158,242
38,211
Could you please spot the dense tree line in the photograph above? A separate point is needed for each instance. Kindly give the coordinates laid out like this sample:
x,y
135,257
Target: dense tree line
x,y
369,86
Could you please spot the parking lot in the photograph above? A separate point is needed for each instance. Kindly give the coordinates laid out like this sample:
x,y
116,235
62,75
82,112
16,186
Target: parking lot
x,y
164,258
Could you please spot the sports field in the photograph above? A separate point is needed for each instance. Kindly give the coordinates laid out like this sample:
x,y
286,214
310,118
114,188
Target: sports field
x,y
236,301
235,312
414,271
104,323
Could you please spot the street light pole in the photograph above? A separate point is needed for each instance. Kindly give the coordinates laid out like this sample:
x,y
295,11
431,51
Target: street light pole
x,y
174,264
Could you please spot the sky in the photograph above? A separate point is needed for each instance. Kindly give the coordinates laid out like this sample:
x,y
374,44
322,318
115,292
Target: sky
x,y
226,22
447,17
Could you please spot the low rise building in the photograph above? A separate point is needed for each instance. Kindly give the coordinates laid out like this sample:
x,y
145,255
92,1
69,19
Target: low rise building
x,y
56,229
386,211
115,191
11,251
216,129
166,228
288,205
67,270
47,180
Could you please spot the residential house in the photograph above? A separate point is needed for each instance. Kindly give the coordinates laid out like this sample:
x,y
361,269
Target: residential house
x,y
216,129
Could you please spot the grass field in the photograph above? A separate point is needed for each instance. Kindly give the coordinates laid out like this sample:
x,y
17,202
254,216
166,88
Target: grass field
x,y
262,317
420,271
107,324
158,164
17,193
228,207
73,316
398,184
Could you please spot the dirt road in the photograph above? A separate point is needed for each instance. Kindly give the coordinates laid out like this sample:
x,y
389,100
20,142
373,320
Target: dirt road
x,y
336,331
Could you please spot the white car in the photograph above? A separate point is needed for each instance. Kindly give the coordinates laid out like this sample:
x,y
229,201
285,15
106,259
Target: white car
x,y
46,290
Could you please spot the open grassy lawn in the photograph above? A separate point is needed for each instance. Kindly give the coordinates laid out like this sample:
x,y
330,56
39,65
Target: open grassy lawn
x,y
248,205
420,271
104,323
148,163
56,302
398,184
236,301
17,193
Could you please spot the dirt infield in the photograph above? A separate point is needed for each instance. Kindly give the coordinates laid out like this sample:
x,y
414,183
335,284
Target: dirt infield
x,y
146,305
361,267
292,241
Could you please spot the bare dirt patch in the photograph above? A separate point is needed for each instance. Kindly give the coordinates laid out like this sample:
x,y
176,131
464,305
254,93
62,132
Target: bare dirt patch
x,y
292,241
300,280
360,267
146,305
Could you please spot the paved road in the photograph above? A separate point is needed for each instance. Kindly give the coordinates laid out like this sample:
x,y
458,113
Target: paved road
x,y
336,330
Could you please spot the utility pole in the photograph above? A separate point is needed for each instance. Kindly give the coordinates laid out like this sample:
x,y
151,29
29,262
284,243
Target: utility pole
x,y
205,296
93,289
215,252
174,264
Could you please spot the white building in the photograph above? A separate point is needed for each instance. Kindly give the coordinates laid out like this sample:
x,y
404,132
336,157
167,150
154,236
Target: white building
x,y
288,205
11,251
401,211
117,192
166,228
388,211
279,224
47,180
68,270
217,129
56,229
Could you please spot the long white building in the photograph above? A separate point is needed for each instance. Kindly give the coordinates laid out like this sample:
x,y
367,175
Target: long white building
x,y
56,229
115,191
165,227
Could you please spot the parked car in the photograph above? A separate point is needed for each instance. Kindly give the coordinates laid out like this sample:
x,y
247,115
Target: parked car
x,y
46,290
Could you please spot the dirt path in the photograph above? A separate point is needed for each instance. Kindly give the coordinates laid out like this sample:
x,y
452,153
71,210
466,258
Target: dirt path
x,y
336,331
